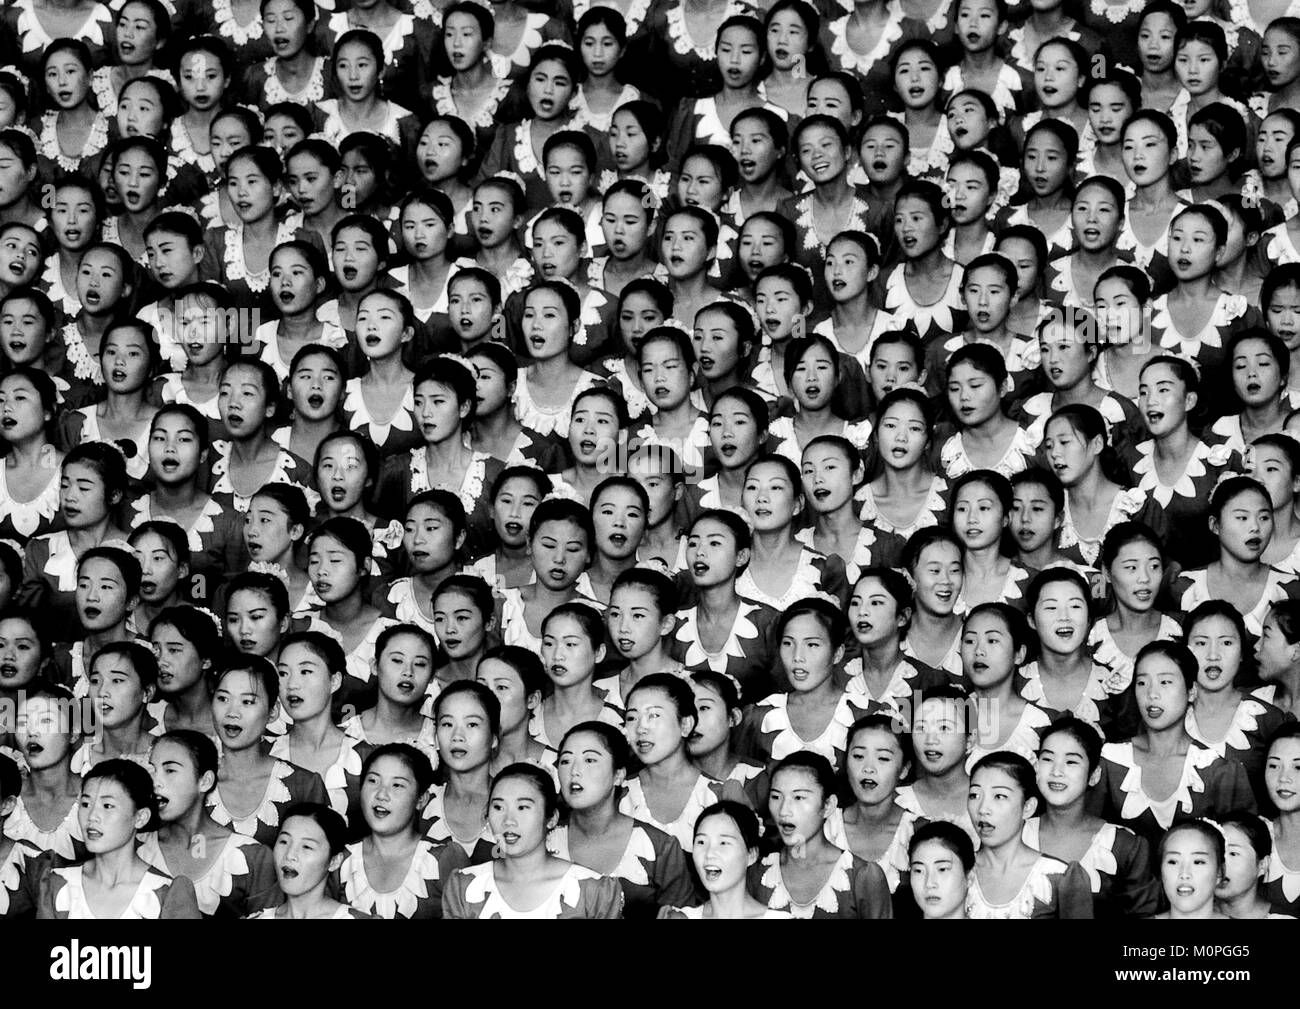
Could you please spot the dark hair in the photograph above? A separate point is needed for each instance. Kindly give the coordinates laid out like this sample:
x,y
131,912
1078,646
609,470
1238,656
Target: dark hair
x,y
201,748
259,669
1201,826
928,536
745,819
829,615
1039,476
135,781
537,777
128,567
408,630
883,721
194,625
612,739
1016,624
170,532
815,764
677,689
1082,733
416,762
541,482
1212,608
896,584
11,781
486,698
1176,652
1016,766
1233,487
586,616
1048,576
320,644
737,526
526,664
563,510
332,825
947,835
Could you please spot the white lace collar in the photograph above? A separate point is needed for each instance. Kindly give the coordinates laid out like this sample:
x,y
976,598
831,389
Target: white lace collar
x,y
1099,859
828,897
1227,310
267,813
145,904
830,744
956,462
218,879
61,841
633,864
862,63
1137,802
742,631
28,516
404,899
702,796
1037,888
354,404
444,102
1185,486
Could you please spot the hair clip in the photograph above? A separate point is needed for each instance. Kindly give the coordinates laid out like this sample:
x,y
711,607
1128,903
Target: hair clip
x,y
14,72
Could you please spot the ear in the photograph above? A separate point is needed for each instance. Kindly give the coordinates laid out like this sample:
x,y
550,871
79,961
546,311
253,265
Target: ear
x,y
460,540
336,861
1094,777
148,693
464,409
838,657
734,717
1030,807
336,681
284,624
600,654
338,179
1020,656
1191,399
142,818
666,624
534,699
7,806
197,253
424,798
207,782
678,487
742,557
273,713
296,531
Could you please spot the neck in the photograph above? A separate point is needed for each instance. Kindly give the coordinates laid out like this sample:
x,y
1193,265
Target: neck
x,y
1166,742
718,600
30,452
344,610
84,538
1176,444
883,657
1049,23
187,827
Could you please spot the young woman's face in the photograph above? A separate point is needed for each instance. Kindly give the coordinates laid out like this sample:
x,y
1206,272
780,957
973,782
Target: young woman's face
x,y
1156,34
405,669
568,176
67,81
1282,774
1244,526
301,855
125,359
492,216
550,88
1062,770
873,613
787,39
1256,373
160,570
119,695
429,538
139,114
306,682
712,724
684,249
83,498
1218,650
875,766
471,311
1268,464
22,416
630,145
356,71
977,24
997,806
797,805
625,224
1145,152
734,434
1108,108
517,703
1096,218
1275,135
102,596
620,522
1189,870
769,498
332,569
546,325
438,412
252,623
1066,358
1193,247
20,250
969,192
739,54
180,666
1161,692
285,27
699,184
903,434
940,739
463,41
202,81
390,796
108,816
827,478
1071,455
175,780
268,533
556,252
1163,400
381,330
465,740
989,654
424,232
807,653
882,154
1206,159
1135,575
938,576
1056,77
634,621
815,377
1280,57
892,365
1242,866
757,155
1045,163
822,155
568,653
315,388
20,653
440,154
1282,315
512,510
586,771
240,710
1061,618
100,281
978,516
968,122
916,80
915,227
939,881
654,727
559,552
600,50
987,294
1034,517
847,271
637,315
251,192
719,854
1197,67
1120,314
